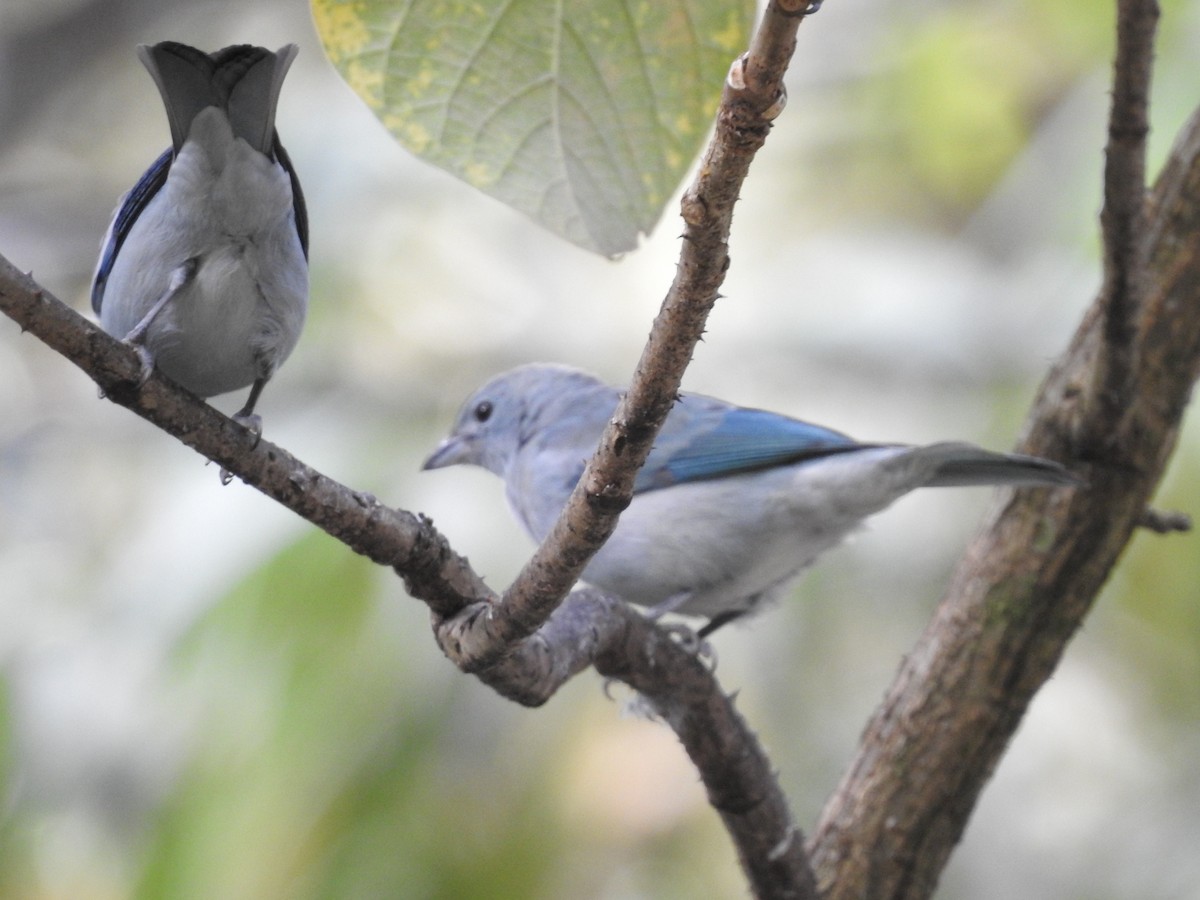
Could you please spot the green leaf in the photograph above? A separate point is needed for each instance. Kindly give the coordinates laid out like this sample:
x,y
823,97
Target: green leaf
x,y
583,114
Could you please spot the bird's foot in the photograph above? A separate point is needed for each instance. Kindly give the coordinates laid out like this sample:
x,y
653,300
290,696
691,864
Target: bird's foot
x,y
246,416
248,419
145,360
691,641
181,276
252,422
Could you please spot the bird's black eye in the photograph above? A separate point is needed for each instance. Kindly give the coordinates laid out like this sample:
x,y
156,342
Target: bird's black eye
x,y
483,411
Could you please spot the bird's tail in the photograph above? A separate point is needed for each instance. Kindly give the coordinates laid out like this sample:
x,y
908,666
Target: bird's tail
x,y
957,465
242,80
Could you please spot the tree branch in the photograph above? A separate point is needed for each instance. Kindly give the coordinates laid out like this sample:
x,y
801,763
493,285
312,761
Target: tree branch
x,y
1115,401
589,629
752,97
1031,576
387,536
510,643
682,691
1122,218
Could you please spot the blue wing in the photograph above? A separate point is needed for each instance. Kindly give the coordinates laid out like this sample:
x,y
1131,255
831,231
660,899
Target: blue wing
x,y
135,201
149,185
705,438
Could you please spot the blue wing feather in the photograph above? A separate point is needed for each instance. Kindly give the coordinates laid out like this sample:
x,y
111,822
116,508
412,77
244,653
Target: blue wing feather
x,y
150,184
737,441
135,201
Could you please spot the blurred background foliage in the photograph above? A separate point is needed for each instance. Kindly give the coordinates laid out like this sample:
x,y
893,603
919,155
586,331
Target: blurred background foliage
x,y
200,697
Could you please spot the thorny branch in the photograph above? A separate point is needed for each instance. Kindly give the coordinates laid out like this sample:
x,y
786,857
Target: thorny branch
x,y
500,639
1023,589
1029,579
753,96
1123,216
589,629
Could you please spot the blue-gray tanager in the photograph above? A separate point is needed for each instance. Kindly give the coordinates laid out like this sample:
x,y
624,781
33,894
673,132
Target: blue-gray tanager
x,y
205,264
732,504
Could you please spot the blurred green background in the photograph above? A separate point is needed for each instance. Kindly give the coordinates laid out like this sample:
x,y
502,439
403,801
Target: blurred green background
x,y
201,698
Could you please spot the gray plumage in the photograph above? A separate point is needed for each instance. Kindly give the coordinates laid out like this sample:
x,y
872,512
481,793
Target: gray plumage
x,y
205,262
732,504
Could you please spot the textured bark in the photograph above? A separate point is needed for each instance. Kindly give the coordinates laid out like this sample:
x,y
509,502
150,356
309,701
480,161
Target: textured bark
x,y
511,642
390,537
753,96
589,629
1029,579
1111,408
677,686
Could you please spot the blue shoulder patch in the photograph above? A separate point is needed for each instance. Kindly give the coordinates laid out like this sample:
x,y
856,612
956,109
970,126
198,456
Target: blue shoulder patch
x,y
135,201
739,441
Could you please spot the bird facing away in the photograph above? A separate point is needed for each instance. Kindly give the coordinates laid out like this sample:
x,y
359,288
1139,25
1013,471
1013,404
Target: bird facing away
x,y
204,268
732,503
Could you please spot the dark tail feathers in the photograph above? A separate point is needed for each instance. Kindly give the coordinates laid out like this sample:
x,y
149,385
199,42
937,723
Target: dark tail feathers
x,y
960,465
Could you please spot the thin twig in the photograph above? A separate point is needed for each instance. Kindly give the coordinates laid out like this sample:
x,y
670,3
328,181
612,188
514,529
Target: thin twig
x,y
752,97
502,642
1028,580
387,536
1165,522
590,629
1122,219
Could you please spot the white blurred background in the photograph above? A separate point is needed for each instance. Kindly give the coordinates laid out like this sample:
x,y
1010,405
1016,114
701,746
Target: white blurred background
x,y
201,698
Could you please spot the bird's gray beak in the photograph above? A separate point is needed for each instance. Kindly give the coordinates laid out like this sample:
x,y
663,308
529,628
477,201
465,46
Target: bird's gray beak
x,y
452,451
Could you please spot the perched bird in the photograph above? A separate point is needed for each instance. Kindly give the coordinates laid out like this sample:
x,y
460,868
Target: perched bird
x,y
732,504
205,264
